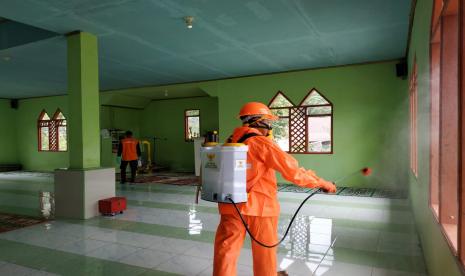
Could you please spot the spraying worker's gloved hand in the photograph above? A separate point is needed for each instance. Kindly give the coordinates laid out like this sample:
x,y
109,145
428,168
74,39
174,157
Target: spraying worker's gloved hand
x,y
327,186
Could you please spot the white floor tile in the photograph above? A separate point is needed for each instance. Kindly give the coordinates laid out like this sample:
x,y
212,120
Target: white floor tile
x,y
245,257
356,232
47,240
173,245
127,238
147,258
296,266
357,242
82,247
185,265
334,268
314,254
387,272
242,270
63,228
205,250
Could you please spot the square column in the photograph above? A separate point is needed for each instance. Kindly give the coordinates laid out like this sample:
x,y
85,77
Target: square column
x,y
79,188
83,95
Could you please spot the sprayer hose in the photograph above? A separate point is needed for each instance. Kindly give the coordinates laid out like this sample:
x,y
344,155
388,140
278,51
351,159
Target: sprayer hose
x,y
288,227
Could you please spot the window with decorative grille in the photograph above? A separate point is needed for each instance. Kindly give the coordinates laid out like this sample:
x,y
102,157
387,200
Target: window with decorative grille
x,y
306,128
52,132
43,124
281,106
60,130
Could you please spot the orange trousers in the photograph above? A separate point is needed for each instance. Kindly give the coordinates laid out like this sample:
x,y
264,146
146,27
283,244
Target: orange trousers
x,y
230,237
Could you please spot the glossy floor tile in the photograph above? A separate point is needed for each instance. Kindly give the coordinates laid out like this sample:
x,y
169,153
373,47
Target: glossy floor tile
x,y
164,233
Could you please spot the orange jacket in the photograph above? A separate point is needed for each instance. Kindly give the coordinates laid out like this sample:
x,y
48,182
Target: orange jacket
x,y
129,149
263,159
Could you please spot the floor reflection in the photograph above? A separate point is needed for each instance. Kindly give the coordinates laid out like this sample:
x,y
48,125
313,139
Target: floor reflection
x,y
47,204
195,224
308,243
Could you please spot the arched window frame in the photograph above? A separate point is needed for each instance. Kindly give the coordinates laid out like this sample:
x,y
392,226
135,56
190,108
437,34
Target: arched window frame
x,y
53,126
330,114
298,128
42,123
276,109
58,123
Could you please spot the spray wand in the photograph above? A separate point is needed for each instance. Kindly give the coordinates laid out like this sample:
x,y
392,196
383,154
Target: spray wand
x,y
365,172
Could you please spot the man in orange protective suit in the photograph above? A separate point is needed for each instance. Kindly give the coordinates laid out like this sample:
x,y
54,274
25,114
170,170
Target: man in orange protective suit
x,y
129,150
261,211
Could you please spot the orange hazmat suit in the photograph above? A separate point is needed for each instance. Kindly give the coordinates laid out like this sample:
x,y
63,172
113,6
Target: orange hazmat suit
x,y
261,211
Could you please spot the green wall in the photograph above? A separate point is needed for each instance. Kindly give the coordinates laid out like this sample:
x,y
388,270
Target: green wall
x,y
117,118
165,119
24,138
121,118
370,121
370,117
28,113
438,256
8,142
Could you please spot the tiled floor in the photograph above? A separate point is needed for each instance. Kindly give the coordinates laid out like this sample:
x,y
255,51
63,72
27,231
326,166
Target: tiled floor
x,y
164,233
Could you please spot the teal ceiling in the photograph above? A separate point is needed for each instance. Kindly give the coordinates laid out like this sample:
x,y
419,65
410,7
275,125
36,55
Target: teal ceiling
x,y
146,42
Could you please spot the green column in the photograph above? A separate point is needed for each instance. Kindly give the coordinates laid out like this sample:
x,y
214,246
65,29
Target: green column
x,y
83,95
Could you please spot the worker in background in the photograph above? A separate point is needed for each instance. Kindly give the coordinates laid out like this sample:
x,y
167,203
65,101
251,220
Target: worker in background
x,y
261,211
129,150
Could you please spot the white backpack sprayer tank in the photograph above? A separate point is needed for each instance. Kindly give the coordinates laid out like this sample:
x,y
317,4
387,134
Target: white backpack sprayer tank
x,y
224,172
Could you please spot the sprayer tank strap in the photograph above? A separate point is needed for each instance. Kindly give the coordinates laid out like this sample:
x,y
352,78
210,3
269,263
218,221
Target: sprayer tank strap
x,y
247,136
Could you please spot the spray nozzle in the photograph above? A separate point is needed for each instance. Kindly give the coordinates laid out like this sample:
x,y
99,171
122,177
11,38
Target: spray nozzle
x,y
366,171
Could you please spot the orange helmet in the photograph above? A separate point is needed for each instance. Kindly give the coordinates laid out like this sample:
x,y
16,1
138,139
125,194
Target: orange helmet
x,y
256,108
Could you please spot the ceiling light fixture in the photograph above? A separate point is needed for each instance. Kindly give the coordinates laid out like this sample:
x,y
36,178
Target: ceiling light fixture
x,y
189,20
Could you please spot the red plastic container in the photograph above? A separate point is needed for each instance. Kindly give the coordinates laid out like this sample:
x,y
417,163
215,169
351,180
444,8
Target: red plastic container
x,y
112,205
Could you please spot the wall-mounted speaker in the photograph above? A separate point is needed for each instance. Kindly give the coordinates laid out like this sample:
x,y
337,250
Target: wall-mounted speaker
x,y
14,104
402,69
